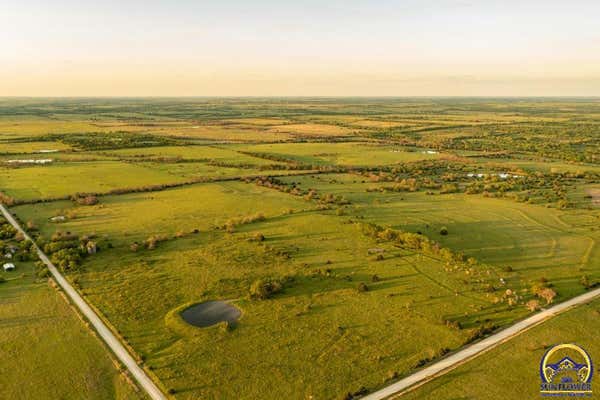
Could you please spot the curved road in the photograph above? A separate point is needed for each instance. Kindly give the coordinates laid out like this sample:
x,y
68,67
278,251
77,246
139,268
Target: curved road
x,y
475,349
109,338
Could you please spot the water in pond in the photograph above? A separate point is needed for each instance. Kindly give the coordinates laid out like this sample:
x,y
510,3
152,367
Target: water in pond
x,y
210,313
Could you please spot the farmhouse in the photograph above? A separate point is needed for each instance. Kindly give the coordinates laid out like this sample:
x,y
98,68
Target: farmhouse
x,y
9,267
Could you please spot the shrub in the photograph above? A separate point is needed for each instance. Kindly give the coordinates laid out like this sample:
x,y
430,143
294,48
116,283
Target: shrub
x,y
449,188
453,324
481,331
362,287
262,289
546,294
153,240
443,231
89,200
533,305
585,282
257,237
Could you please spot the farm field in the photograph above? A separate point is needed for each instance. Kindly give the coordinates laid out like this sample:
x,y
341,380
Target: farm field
x,y
360,239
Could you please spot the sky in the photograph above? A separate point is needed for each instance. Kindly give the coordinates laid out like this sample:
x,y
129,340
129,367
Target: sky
x,y
300,48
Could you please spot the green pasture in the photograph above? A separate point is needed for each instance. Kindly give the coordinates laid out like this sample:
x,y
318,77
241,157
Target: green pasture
x,y
534,241
135,216
63,179
46,148
209,153
511,371
46,352
354,311
346,153
320,335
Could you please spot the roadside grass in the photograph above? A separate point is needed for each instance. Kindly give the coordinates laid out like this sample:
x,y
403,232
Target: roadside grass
x,y
45,350
511,371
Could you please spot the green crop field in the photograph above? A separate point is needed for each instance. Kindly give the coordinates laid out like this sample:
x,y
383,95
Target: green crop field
x,y
361,239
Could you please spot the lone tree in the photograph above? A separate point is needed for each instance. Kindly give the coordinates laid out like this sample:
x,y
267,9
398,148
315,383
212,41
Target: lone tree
x,y
443,231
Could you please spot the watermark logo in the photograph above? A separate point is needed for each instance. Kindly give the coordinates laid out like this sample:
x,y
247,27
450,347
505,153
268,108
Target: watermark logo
x,y
566,370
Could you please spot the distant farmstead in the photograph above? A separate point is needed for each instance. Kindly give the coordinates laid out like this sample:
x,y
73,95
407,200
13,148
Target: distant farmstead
x,y
9,267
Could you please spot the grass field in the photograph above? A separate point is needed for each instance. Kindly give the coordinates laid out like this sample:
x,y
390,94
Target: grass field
x,y
47,352
512,370
386,232
33,147
63,179
348,154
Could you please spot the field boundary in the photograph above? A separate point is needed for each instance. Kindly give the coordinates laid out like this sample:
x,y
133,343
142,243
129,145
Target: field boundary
x,y
471,351
105,333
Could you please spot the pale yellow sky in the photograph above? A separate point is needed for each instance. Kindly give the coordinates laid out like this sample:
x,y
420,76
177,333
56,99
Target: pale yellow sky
x,y
262,48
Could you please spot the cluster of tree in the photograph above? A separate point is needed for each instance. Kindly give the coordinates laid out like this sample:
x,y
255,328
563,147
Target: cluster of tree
x,y
543,291
6,199
111,140
263,167
67,250
21,250
294,189
572,141
7,231
413,241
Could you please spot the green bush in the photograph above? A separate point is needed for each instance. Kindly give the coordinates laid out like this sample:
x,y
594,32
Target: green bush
x,y
262,289
362,287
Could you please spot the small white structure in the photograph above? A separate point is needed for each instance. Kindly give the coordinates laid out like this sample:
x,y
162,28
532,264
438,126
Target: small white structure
x,y
58,218
31,161
8,255
9,267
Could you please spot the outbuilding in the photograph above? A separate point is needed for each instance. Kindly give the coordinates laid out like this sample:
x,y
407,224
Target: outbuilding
x,y
9,267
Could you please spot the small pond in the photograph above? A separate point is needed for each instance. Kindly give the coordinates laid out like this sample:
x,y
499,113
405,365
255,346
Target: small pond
x,y
211,313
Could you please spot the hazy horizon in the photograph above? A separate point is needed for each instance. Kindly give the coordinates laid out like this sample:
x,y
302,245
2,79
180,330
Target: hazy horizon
x,y
444,48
